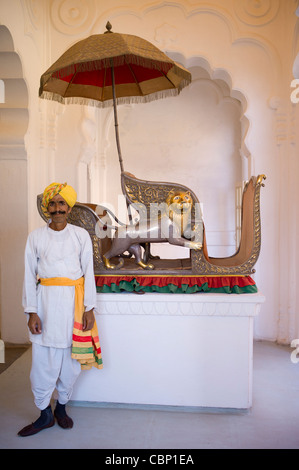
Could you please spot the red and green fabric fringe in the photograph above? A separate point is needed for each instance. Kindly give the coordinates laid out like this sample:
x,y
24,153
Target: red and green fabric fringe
x,y
176,284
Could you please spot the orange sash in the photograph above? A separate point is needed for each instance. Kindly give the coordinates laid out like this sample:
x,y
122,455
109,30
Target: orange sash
x,y
86,347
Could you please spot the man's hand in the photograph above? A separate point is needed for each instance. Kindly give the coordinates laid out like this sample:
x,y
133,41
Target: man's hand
x,y
88,320
34,324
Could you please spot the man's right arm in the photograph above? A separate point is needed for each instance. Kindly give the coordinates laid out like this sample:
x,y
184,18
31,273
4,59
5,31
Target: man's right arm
x,y
29,297
34,324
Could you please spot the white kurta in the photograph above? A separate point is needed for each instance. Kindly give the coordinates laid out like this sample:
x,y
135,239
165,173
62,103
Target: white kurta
x,y
50,253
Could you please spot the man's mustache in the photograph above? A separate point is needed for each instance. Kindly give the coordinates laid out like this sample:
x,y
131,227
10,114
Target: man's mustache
x,y
57,212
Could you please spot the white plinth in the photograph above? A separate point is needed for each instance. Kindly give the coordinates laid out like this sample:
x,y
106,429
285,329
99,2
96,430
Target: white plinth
x,y
173,350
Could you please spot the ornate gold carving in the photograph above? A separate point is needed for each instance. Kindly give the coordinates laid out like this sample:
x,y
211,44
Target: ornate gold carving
x,y
150,194
146,194
260,179
202,267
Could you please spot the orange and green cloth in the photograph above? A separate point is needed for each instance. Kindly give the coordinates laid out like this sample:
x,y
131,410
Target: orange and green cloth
x,y
176,284
86,347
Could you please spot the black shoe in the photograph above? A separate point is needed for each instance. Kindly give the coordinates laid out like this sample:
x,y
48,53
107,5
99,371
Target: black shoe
x,y
62,418
46,420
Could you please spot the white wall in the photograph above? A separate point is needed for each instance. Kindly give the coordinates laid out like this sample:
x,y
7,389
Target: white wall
x,y
236,119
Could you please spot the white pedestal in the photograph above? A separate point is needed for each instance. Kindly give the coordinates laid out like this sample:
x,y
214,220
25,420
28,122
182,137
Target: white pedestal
x,y
173,350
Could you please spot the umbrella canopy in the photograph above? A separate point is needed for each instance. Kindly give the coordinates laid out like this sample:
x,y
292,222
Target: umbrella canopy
x,y
111,68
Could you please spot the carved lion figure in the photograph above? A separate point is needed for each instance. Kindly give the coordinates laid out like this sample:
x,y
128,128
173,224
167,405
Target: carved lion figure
x,y
171,224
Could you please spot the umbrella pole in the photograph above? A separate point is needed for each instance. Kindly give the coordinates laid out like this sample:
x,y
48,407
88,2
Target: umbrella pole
x,y
115,119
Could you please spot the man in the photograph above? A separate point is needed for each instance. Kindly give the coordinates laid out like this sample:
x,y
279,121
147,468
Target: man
x,y
59,296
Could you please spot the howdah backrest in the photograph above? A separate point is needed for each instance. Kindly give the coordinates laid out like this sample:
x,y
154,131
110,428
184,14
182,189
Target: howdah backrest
x,y
149,194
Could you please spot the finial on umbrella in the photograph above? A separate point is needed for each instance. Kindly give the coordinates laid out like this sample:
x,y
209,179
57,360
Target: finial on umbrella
x,y
108,27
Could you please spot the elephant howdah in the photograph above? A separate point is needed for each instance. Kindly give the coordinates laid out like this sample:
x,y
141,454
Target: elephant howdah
x,y
180,224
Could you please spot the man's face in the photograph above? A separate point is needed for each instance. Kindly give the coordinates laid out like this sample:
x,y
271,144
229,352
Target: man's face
x,y
58,209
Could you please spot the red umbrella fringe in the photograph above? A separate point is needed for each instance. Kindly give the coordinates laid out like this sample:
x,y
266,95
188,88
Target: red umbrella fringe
x,y
108,103
88,66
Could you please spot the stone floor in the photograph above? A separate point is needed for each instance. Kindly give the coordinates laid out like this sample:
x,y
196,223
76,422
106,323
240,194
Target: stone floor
x,y
272,423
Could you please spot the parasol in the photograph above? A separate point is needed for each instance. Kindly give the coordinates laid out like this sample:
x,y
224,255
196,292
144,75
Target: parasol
x,y
110,69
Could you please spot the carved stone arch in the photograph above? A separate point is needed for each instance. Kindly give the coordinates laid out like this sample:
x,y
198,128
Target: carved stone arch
x,y
14,108
14,119
223,79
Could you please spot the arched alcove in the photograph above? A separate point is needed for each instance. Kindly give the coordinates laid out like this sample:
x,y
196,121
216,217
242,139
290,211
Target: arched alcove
x,y
196,139
14,108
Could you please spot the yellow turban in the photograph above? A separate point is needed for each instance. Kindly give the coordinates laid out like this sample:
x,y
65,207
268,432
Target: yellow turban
x,y
67,192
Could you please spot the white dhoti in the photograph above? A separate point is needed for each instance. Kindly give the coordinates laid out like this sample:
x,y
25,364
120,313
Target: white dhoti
x,y
52,368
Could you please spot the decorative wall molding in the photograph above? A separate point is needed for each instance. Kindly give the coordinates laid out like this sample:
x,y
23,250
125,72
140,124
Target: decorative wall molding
x,y
281,119
187,9
285,120
36,26
89,131
256,12
293,133
72,16
34,17
50,112
245,305
88,127
166,36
